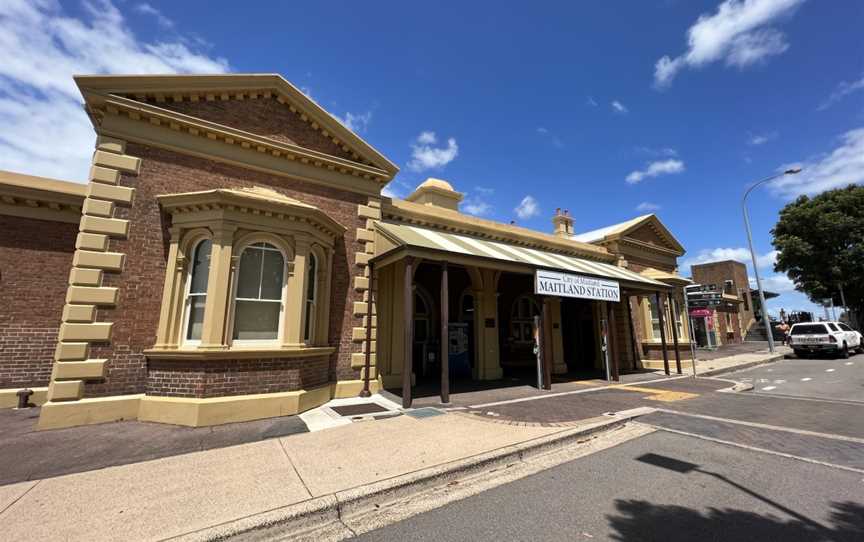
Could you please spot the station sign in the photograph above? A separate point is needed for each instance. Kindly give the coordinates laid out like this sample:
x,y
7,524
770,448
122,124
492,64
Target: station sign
x,y
578,286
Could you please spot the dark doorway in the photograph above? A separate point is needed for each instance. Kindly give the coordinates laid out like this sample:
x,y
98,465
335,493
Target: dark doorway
x,y
579,335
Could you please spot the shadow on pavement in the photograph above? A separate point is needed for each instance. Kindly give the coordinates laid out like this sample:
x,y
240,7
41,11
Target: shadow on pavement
x,y
645,521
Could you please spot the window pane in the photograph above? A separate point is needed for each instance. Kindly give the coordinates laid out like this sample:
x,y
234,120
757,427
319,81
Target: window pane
x,y
271,278
200,268
249,276
310,318
312,278
196,317
256,320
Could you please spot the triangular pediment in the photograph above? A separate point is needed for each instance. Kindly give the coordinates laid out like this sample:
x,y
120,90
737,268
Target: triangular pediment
x,y
650,231
265,105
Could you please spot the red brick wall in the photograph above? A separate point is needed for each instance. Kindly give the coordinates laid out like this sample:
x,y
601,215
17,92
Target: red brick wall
x,y
140,285
35,258
263,116
235,377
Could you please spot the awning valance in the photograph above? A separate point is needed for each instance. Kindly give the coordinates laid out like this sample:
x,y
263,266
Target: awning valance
x,y
401,236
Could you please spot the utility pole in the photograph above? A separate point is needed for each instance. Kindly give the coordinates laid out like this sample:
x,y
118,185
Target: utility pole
x,y
765,319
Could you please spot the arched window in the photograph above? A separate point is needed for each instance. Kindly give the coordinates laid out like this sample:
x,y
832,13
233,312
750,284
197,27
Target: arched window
x,y
522,315
196,291
311,295
258,298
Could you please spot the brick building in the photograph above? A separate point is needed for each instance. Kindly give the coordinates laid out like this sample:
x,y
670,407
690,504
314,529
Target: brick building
x,y
232,258
729,322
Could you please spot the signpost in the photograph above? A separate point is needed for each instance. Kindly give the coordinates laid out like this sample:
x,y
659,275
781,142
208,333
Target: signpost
x,y
579,286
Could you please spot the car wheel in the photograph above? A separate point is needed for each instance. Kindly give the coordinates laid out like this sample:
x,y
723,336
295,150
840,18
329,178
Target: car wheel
x,y
844,354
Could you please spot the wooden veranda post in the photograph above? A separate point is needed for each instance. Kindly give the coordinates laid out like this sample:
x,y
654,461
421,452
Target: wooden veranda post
x,y
445,336
661,310
613,344
408,362
675,321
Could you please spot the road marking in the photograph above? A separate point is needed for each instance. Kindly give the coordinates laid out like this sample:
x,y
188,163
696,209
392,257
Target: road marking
x,y
756,449
769,388
575,392
849,363
829,370
671,396
779,381
806,379
765,426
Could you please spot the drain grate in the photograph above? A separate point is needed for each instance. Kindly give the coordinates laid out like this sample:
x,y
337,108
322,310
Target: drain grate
x,y
358,409
424,413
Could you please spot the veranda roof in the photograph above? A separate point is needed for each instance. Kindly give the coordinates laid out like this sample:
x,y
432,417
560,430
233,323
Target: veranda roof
x,y
425,242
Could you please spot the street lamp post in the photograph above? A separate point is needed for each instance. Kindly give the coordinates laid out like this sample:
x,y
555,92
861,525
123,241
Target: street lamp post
x,y
765,319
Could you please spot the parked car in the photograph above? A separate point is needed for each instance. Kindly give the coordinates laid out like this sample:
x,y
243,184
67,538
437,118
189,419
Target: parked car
x,y
824,338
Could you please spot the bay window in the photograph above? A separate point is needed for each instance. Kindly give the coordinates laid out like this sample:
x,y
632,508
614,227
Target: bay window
x,y
258,300
248,270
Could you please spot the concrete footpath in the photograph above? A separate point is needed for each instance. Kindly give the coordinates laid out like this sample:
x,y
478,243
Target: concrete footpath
x,y
210,494
738,362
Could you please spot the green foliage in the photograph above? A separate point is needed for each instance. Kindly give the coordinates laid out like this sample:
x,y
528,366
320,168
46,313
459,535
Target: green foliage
x,y
821,245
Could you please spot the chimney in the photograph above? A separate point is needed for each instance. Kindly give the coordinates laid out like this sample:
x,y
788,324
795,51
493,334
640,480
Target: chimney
x,y
563,223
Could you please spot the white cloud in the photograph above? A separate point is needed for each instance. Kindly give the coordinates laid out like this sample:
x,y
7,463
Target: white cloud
x,y
554,139
619,108
778,283
147,9
761,139
542,130
653,169
485,190
425,156
738,33
655,151
591,101
356,123
843,89
647,207
476,206
396,189
738,254
841,167
527,208
42,47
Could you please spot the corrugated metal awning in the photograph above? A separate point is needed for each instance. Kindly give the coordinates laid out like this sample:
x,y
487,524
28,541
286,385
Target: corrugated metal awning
x,y
423,238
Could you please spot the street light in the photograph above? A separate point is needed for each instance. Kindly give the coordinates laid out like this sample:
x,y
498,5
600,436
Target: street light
x,y
765,319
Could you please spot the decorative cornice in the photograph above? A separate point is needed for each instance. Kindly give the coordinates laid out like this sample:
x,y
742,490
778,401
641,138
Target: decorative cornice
x,y
163,88
218,133
40,198
275,206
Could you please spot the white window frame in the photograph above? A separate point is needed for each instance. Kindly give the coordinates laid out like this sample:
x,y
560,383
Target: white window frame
x,y
310,326
187,305
280,325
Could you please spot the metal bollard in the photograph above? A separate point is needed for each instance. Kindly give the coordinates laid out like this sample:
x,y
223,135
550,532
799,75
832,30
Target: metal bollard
x,y
24,398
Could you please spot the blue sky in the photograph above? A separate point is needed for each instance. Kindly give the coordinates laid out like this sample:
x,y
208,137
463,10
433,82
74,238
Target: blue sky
x,y
610,109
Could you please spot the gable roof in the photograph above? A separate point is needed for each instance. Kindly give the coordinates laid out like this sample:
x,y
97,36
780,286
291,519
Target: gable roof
x,y
94,87
622,229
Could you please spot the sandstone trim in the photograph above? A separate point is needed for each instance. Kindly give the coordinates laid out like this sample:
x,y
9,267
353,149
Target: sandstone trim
x,y
97,226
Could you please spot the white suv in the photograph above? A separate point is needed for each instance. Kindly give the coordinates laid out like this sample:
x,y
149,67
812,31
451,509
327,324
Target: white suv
x,y
824,337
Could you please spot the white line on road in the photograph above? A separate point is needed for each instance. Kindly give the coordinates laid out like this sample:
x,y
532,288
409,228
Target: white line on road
x,y
765,426
755,449
806,379
769,388
849,363
829,370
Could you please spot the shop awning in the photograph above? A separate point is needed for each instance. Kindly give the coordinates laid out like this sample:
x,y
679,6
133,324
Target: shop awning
x,y
396,240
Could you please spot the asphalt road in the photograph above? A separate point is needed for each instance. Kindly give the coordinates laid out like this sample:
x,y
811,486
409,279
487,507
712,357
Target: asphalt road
x,y
784,462
664,487
821,378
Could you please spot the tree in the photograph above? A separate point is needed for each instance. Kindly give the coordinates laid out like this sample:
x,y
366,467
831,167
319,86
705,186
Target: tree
x,y
820,241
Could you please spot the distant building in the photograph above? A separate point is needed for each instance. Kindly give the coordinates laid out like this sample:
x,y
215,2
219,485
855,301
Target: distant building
x,y
736,315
